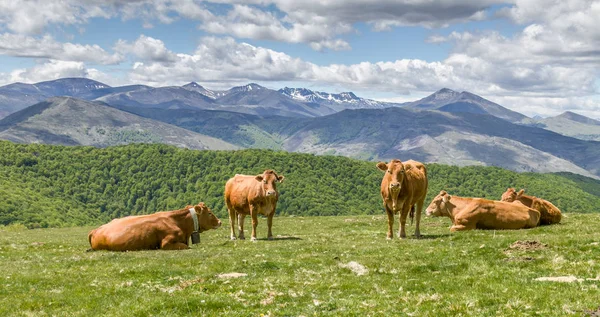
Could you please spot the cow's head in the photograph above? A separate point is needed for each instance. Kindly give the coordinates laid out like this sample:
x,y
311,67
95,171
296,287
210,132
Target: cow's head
x,y
509,195
206,219
268,179
394,172
437,207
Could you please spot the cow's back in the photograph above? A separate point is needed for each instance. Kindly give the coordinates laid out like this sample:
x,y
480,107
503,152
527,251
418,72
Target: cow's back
x,y
239,190
416,177
504,215
128,233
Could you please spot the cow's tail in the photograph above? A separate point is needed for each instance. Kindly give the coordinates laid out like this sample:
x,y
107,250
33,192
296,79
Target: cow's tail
x,y
412,214
90,240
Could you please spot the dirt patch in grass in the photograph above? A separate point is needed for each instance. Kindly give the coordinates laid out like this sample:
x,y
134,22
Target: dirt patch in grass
x,y
526,245
232,275
523,246
593,312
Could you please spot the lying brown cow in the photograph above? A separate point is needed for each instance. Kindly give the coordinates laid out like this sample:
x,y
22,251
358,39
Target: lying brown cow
x,y
168,230
403,186
479,213
251,195
549,214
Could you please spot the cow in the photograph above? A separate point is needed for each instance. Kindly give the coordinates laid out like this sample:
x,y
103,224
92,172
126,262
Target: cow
x,y
549,214
252,195
403,186
479,213
166,230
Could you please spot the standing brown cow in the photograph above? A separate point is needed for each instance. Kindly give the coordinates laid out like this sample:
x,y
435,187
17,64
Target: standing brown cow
x,y
403,186
549,214
251,195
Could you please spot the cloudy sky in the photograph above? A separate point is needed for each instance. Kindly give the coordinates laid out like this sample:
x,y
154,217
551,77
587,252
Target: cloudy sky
x,y
539,57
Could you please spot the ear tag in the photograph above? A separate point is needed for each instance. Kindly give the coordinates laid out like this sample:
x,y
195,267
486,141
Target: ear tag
x,y
195,237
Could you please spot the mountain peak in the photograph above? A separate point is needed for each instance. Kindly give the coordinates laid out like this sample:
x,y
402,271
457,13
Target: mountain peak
x,y
445,93
578,118
192,84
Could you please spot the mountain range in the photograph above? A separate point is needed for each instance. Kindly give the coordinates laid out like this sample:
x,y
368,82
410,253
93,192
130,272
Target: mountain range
x,y
449,127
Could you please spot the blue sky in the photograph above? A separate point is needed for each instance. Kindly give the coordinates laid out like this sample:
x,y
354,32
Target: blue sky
x,y
538,57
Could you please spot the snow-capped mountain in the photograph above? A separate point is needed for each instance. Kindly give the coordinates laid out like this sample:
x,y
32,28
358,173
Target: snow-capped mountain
x,y
338,102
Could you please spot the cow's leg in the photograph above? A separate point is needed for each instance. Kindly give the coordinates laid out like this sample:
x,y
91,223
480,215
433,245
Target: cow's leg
x,y
175,246
232,218
241,218
403,214
390,215
254,215
270,224
418,216
172,243
458,228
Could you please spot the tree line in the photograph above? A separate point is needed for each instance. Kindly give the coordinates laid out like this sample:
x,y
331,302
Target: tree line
x,y
55,186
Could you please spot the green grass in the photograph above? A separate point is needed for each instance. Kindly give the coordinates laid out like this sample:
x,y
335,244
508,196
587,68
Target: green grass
x,y
48,272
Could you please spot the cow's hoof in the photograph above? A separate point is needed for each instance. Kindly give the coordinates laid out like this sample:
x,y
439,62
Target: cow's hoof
x,y
388,238
270,238
253,239
242,238
233,238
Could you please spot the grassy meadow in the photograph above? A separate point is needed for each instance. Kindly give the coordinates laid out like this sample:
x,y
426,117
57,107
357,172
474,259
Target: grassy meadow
x,y
317,266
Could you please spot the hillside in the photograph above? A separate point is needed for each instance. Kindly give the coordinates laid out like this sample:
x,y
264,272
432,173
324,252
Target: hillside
x,y
55,186
316,266
70,121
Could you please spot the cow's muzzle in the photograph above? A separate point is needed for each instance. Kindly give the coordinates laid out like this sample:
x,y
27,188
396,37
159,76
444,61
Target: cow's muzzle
x,y
395,186
271,193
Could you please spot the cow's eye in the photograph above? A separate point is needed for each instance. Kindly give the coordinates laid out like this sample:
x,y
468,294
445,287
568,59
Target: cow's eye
x,y
265,181
389,171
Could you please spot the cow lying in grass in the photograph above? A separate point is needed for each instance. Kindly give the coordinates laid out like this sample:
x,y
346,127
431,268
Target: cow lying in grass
x,y
549,214
479,213
167,230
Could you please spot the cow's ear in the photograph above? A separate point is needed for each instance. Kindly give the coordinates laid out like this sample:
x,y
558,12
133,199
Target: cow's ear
x,y
521,192
442,192
280,178
259,178
447,198
382,166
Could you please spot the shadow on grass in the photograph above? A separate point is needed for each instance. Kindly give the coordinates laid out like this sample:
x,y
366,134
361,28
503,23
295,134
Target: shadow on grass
x,y
280,238
432,236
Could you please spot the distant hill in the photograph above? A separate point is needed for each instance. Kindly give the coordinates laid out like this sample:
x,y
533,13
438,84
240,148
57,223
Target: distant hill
x,y
573,125
17,96
53,186
449,100
372,134
71,121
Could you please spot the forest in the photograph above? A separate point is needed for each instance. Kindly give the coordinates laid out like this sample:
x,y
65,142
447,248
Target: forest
x,y
62,186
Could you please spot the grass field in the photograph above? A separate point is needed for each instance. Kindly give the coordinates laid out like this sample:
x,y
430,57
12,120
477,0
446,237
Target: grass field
x,y
308,270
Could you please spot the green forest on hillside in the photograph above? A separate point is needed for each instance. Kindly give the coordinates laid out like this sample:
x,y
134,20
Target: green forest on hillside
x,y
54,186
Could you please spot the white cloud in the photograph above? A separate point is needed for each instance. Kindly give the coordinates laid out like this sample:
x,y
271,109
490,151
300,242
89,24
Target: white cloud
x,y
146,48
318,24
53,69
47,47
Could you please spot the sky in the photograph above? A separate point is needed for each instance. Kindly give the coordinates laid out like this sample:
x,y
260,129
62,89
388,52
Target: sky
x,y
538,57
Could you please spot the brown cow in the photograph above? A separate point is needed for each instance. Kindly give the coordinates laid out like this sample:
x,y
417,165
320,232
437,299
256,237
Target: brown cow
x,y
403,186
167,230
549,214
251,195
479,213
